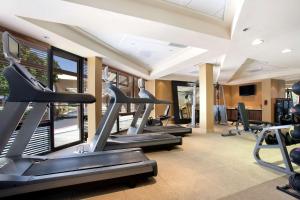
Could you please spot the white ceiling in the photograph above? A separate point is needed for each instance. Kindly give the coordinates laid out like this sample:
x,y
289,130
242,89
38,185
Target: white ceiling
x,y
191,73
277,23
135,35
214,8
254,70
148,52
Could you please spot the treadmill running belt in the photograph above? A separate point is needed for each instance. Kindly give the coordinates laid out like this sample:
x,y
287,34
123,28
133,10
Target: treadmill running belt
x,y
175,130
53,166
166,128
141,137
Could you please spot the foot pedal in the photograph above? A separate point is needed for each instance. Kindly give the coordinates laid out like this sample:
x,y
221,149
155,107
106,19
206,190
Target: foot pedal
x,y
290,191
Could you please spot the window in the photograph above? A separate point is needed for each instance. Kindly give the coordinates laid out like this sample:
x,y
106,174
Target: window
x,y
67,118
128,85
35,59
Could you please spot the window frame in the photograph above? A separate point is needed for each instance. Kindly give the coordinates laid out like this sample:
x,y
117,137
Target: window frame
x,y
122,73
53,51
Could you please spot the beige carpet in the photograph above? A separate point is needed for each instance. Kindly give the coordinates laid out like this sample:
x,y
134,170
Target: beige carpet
x,y
261,192
206,166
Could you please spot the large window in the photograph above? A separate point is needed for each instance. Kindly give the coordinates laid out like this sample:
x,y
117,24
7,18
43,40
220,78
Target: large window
x,y
35,58
67,118
128,85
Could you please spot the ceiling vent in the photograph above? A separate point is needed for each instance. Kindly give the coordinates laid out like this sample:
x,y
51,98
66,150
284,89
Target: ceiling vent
x,y
177,45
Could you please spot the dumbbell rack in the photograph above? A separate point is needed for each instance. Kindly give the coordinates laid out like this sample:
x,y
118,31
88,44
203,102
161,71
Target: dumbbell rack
x,y
288,169
290,188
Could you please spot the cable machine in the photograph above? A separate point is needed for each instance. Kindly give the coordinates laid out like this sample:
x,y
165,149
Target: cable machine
x,y
220,113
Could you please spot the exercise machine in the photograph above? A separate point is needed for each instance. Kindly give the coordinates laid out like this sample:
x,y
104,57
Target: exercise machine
x,y
159,120
293,187
138,129
250,126
279,142
118,141
282,110
220,113
24,173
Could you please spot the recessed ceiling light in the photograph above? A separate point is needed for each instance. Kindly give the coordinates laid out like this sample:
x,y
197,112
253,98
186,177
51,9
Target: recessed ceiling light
x,y
257,42
286,51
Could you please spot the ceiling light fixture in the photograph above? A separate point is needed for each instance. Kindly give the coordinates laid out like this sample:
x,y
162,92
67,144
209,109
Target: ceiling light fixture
x,y
286,51
257,42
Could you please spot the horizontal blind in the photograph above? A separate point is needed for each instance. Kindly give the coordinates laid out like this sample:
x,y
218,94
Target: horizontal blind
x,y
36,61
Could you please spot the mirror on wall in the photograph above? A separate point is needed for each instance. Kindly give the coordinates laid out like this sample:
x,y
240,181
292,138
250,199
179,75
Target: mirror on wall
x,y
183,101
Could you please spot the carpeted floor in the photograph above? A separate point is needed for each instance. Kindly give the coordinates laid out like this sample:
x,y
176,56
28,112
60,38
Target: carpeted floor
x,y
206,166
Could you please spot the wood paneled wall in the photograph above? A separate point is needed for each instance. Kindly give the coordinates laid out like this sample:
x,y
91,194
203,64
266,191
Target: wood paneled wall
x,y
232,97
267,90
161,89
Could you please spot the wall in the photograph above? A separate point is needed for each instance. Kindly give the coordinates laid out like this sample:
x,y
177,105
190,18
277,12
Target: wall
x,y
164,93
150,86
266,93
253,101
266,100
277,91
161,89
232,97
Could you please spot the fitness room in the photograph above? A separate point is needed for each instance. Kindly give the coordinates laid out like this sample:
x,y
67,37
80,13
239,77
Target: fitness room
x,y
140,99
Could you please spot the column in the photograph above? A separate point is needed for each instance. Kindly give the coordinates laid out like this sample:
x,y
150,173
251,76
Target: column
x,y
206,92
94,84
271,89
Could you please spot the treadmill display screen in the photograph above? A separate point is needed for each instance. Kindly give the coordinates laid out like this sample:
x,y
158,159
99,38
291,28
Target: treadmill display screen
x,y
13,47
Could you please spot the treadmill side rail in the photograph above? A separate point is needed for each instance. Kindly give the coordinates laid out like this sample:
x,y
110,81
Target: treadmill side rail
x,y
23,185
10,117
30,124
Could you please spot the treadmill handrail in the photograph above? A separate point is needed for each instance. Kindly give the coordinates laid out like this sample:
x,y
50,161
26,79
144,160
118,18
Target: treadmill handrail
x,y
119,97
24,87
27,89
145,94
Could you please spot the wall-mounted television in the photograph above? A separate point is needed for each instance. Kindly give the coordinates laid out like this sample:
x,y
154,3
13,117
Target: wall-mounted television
x,y
247,90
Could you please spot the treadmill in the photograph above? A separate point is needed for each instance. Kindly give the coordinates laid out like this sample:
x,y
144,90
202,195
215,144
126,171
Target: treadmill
x,y
24,173
104,141
136,128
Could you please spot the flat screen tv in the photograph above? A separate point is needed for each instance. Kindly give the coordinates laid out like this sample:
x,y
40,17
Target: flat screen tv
x,y
247,90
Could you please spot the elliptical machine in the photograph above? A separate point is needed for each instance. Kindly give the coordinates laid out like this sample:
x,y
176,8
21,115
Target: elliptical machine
x,y
293,188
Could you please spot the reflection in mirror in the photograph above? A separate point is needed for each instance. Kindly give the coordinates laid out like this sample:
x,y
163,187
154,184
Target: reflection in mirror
x,y
183,101
185,98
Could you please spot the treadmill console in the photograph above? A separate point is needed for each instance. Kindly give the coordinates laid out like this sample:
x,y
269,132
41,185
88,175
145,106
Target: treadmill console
x,y
13,47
